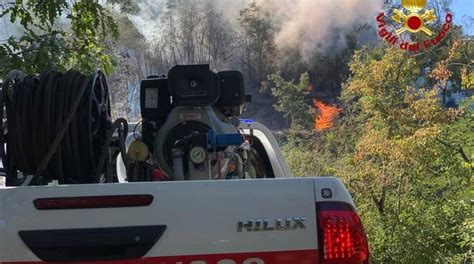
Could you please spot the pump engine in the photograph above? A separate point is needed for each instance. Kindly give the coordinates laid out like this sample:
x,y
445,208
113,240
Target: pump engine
x,y
189,126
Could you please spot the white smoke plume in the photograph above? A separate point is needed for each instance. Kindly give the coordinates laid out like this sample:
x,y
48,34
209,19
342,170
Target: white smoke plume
x,y
304,24
323,24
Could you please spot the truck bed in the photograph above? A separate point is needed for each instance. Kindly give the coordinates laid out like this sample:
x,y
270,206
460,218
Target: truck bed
x,y
227,221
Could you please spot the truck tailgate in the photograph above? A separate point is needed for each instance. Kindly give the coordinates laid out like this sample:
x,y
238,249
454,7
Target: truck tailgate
x,y
194,222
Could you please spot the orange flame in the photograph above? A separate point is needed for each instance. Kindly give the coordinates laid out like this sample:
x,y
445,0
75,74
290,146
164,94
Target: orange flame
x,y
326,114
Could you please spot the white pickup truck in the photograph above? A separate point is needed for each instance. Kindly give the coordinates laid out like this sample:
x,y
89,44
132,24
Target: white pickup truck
x,y
221,191
249,221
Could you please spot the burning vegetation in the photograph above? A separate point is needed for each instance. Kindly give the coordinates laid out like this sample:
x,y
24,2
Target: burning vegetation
x,y
326,114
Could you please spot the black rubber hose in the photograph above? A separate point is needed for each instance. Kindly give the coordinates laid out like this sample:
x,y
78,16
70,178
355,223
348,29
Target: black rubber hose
x,y
5,102
56,126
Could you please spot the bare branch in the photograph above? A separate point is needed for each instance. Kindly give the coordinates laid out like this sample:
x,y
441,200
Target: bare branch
x,y
459,149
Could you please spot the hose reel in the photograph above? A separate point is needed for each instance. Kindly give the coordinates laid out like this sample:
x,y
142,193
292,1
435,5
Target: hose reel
x,y
57,126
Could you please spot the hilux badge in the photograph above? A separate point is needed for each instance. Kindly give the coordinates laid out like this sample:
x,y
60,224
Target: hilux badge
x,y
256,225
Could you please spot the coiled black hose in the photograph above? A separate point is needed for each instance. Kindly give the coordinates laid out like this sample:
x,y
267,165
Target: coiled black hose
x,y
58,126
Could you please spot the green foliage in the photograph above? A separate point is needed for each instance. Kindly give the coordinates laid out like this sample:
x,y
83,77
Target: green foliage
x,y
302,161
468,80
452,60
406,159
43,45
410,184
291,99
465,64
459,136
305,157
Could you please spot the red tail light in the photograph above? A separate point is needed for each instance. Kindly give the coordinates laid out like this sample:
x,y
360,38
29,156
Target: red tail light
x,y
342,238
89,202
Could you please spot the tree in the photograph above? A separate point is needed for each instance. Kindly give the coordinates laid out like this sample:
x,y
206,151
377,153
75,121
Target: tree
x,y
258,48
457,68
406,159
193,33
410,188
292,101
219,37
45,42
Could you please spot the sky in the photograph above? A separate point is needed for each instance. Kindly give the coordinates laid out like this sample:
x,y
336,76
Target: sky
x,y
462,8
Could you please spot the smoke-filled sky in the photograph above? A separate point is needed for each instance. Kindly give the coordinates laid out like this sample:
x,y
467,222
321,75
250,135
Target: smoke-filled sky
x,y
301,23
307,23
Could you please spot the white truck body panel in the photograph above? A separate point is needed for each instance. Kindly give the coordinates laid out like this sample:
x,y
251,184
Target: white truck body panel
x,y
279,165
201,217
201,220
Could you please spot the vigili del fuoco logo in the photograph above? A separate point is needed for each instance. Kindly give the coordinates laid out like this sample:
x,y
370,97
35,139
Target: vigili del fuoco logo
x,y
413,18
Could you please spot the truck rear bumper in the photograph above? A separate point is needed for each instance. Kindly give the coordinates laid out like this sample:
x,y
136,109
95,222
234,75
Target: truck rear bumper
x,y
276,257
